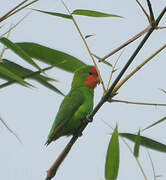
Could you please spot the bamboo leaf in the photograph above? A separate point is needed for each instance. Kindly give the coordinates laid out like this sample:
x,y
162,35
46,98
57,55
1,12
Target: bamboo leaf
x,y
105,62
42,81
16,49
26,73
10,130
89,35
164,91
137,145
146,142
161,120
55,14
51,56
5,72
112,158
91,13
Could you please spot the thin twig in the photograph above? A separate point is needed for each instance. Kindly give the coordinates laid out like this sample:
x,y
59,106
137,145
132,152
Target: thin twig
x,y
161,27
137,160
2,53
8,13
15,25
126,43
153,169
53,169
152,19
144,11
137,103
138,68
10,130
110,91
22,8
86,44
113,69
163,91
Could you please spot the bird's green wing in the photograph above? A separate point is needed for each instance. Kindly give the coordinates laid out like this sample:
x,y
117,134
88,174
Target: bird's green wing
x,y
69,106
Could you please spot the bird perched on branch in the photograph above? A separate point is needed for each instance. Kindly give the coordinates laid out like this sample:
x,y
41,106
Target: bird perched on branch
x,y
76,105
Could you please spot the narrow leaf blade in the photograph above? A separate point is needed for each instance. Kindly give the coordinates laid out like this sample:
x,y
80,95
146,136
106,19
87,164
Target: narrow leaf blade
x,y
42,81
152,125
55,14
137,145
16,49
112,158
51,56
14,76
164,91
89,35
105,62
146,142
91,13
27,73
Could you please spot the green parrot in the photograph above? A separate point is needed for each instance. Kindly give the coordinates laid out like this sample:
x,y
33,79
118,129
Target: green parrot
x,y
76,105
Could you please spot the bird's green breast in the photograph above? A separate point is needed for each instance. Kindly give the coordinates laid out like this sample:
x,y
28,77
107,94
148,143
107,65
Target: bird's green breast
x,y
85,108
73,110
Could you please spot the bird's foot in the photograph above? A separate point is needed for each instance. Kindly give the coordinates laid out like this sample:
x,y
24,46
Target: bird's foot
x,y
88,119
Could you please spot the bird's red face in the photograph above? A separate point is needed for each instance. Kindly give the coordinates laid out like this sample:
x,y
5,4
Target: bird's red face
x,y
93,78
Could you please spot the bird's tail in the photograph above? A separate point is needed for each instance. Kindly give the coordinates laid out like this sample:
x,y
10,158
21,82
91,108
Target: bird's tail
x,y
47,142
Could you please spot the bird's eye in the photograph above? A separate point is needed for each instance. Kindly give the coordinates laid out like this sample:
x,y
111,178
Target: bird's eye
x,y
90,73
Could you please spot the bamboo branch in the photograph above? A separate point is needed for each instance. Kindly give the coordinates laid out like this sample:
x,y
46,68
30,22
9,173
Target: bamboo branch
x,y
152,164
22,8
8,13
126,43
53,169
137,69
104,98
15,25
137,160
86,45
161,27
10,130
137,103
136,36
113,70
152,19
146,14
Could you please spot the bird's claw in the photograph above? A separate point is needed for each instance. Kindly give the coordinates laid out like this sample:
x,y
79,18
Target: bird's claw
x,y
88,119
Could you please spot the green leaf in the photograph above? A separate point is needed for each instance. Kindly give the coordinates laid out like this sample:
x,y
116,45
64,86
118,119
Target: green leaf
x,y
89,35
14,76
90,13
112,158
137,145
114,70
26,73
147,142
161,120
16,49
42,81
55,14
51,56
10,130
164,91
105,62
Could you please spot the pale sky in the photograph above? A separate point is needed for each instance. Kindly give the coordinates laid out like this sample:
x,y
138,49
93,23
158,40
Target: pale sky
x,y
31,112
